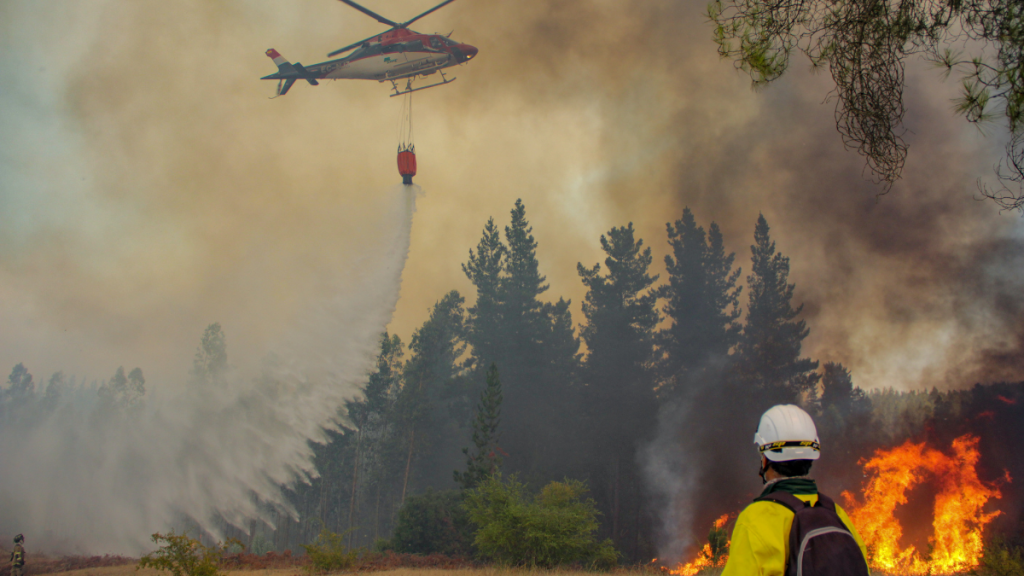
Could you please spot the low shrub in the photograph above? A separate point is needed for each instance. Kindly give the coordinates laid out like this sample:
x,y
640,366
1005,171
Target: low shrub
x,y
329,553
182,555
432,523
554,528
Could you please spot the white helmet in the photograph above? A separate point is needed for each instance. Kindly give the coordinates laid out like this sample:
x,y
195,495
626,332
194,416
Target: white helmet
x,y
787,433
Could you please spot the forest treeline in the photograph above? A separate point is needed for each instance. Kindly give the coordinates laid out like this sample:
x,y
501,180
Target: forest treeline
x,y
680,358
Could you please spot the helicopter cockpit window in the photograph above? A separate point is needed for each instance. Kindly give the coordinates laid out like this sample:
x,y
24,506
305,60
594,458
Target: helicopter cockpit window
x,y
436,42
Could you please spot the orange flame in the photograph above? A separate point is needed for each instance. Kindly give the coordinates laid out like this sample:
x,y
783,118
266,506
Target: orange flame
x,y
706,558
958,522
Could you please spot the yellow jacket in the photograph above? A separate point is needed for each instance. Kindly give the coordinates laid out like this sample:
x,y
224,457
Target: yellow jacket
x,y
760,540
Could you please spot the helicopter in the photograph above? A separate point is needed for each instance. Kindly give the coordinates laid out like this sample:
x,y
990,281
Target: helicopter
x,y
396,54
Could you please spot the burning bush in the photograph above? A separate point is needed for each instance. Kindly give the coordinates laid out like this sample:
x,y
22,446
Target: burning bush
x,y
714,554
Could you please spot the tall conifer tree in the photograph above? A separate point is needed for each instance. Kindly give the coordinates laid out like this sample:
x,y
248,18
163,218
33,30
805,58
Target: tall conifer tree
x,y
433,382
702,304
618,374
531,342
769,350
484,270
486,460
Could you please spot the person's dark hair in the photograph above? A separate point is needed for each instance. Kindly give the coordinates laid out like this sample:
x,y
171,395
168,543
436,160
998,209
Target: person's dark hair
x,y
792,468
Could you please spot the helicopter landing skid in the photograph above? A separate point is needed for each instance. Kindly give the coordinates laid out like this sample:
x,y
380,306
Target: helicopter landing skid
x,y
409,88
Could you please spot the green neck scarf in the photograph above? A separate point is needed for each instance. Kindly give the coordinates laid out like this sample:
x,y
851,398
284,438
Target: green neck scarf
x,y
792,485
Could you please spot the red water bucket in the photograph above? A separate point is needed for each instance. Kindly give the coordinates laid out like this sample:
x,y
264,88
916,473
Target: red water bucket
x,y
407,165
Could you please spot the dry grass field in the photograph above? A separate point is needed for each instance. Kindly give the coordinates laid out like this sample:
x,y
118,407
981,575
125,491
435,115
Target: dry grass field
x,y
129,570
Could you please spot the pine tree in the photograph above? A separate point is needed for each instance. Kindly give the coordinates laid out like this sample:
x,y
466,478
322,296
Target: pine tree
x,y
532,343
618,373
210,364
123,393
20,385
524,323
19,393
769,351
376,457
433,383
486,460
484,270
561,345
55,388
702,303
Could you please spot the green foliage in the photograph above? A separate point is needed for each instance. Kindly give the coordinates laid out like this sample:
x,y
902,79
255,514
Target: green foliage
x,y
554,528
1001,559
182,555
433,522
487,459
865,44
329,553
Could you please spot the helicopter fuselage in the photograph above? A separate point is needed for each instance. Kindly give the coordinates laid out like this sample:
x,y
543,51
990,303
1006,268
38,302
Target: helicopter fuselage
x,y
396,54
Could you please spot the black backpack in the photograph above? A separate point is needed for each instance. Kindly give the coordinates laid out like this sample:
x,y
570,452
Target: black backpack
x,y
819,542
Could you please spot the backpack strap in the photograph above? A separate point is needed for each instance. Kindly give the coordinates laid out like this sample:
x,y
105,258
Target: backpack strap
x,y
826,502
786,499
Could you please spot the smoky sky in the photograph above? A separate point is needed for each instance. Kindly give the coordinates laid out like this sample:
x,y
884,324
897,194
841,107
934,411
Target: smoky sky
x,y
149,187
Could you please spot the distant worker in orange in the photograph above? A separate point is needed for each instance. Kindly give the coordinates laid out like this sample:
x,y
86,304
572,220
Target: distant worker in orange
x,y
18,556
791,528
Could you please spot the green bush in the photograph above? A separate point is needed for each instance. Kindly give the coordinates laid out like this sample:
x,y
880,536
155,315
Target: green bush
x,y
1001,559
184,556
431,523
554,528
329,553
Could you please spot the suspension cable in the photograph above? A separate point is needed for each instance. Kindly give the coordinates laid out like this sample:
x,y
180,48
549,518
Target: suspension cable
x,y
405,135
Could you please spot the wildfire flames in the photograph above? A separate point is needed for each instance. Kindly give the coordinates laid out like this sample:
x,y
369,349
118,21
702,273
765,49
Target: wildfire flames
x,y
706,558
958,521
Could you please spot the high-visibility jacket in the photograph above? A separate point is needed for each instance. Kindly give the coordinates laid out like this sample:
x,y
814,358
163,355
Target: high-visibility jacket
x,y
760,539
18,556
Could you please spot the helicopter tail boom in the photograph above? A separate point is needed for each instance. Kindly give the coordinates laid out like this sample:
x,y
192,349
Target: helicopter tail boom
x,y
288,73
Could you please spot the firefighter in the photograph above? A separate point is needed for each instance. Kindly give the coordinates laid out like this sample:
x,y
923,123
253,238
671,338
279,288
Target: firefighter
x,y
17,556
761,540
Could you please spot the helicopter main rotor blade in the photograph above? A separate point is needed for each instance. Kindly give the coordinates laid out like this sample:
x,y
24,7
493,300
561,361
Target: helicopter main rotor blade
x,y
376,16
355,44
406,24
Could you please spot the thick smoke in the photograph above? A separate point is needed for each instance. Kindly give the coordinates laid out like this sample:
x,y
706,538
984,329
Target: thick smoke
x,y
80,479
144,166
